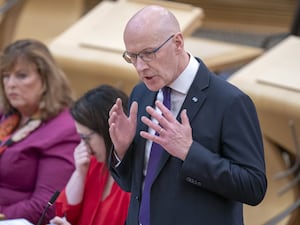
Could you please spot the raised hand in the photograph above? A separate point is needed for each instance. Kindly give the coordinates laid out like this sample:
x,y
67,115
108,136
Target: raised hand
x,y
174,137
122,128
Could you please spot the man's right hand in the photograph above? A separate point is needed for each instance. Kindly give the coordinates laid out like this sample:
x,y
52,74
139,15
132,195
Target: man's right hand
x,y
122,128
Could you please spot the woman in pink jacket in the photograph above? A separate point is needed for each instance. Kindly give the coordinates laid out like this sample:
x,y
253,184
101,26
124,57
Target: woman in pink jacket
x,y
37,133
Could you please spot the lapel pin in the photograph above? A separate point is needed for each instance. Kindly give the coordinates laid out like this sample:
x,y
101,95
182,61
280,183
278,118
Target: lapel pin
x,y
195,99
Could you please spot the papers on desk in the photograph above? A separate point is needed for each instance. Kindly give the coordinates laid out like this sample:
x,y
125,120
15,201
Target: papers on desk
x,y
15,222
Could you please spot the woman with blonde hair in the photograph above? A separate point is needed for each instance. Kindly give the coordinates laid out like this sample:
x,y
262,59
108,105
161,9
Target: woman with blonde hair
x,y
37,132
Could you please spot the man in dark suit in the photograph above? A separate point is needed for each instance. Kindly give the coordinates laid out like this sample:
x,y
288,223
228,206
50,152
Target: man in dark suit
x,y
212,159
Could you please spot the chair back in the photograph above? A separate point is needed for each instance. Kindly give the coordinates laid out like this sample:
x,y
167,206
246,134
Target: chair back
x,y
10,11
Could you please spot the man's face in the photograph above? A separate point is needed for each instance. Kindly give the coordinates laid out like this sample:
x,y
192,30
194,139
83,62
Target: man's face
x,y
160,67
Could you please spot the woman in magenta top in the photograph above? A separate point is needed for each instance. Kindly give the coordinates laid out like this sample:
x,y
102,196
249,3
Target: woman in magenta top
x,y
91,196
37,132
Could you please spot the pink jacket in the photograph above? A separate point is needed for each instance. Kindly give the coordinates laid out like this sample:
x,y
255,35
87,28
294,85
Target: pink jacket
x,y
34,168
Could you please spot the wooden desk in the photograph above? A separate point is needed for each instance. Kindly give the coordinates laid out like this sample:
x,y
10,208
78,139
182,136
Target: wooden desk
x,y
273,204
90,52
273,82
220,56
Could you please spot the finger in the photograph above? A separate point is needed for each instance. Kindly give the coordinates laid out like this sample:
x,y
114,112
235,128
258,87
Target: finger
x,y
112,128
162,119
150,137
133,111
156,127
113,108
119,104
165,111
81,148
82,157
57,220
184,119
116,108
81,152
112,117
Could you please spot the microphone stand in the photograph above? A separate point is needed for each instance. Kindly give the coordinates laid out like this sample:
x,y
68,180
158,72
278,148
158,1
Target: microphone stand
x,y
50,203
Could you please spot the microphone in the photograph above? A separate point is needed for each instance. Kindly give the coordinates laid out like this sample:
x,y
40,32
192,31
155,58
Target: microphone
x,y
50,203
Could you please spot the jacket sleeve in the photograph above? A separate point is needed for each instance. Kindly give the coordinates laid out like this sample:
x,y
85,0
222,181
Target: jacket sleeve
x,y
122,170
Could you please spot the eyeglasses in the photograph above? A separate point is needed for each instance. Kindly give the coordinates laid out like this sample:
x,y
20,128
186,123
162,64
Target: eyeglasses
x,y
86,137
145,55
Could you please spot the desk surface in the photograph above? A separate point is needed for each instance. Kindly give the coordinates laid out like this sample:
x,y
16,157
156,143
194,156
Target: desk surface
x,y
273,82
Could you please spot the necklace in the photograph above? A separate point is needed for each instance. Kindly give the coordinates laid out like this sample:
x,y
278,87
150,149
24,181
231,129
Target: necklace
x,y
12,137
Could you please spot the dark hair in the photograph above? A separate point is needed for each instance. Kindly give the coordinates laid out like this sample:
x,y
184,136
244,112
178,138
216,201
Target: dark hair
x,y
92,110
58,94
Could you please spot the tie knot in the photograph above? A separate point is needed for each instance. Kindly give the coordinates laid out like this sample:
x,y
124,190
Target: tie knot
x,y
166,91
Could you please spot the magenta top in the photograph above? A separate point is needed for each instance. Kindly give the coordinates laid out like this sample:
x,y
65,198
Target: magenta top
x,y
37,166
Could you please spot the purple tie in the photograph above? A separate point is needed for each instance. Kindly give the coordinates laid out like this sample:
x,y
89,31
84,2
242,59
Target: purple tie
x,y
155,155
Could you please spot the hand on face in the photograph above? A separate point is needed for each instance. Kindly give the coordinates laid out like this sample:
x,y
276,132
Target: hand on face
x,y
82,157
122,128
174,137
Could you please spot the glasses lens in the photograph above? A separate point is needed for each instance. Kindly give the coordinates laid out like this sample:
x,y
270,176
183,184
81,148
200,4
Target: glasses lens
x,y
86,137
147,56
127,57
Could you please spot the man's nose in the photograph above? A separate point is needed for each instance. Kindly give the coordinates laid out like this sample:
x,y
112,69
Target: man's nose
x,y
140,64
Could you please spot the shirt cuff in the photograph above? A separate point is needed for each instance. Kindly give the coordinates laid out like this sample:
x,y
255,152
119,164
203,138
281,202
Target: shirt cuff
x,y
115,160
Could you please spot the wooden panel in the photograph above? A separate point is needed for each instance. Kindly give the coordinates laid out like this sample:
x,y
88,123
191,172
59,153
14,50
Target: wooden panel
x,y
277,101
90,60
220,55
274,13
273,203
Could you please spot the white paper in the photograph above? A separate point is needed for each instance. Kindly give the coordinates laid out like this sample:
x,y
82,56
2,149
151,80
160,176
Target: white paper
x,y
15,222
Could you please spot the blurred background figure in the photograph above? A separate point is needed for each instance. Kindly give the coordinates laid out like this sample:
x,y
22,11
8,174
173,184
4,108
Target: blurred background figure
x,y
91,196
37,132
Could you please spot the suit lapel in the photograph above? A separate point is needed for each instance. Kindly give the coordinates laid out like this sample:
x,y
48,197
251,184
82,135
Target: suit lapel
x,y
196,95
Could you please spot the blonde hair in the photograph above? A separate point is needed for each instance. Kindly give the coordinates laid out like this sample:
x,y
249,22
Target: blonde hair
x,y
58,94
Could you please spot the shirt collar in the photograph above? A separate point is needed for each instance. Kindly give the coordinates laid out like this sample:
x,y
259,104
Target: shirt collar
x,y
185,79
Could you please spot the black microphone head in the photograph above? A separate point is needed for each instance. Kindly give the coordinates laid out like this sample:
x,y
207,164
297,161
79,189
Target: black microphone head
x,y
54,197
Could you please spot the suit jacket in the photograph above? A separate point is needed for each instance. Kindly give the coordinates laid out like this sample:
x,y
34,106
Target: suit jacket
x,y
223,169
